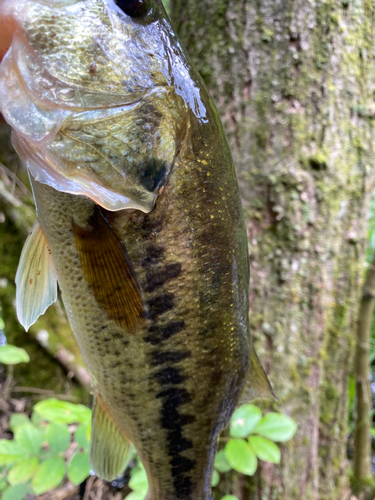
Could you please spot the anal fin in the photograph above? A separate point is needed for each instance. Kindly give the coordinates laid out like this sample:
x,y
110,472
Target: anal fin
x,y
257,384
36,280
110,449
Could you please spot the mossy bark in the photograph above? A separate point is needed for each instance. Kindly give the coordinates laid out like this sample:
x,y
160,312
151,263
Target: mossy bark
x,y
293,82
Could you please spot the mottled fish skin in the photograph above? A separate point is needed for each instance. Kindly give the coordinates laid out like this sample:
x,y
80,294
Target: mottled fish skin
x,y
171,372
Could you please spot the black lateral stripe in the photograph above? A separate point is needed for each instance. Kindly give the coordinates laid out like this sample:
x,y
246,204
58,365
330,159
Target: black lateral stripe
x,y
159,358
159,333
154,255
173,421
152,225
160,304
169,375
183,484
157,278
182,465
175,396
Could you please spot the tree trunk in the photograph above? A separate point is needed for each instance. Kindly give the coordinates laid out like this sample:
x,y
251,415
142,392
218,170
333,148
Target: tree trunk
x,y
362,372
293,82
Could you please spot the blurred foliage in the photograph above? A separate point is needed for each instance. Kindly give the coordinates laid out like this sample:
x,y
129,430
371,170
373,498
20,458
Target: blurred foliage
x,y
12,355
45,449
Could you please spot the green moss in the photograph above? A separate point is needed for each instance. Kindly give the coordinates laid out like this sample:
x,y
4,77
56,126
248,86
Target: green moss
x,y
318,161
294,373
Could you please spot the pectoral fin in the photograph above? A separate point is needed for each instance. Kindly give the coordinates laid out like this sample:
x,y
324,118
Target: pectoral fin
x,y
110,449
35,279
108,270
257,384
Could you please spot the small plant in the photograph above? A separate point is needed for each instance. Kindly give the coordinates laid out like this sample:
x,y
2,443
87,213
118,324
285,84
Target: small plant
x,y
252,437
45,449
12,355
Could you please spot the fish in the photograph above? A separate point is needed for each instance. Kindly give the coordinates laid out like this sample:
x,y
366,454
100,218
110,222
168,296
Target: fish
x,y
141,227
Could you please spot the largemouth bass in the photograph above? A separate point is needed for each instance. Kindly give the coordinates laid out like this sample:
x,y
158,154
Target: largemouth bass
x,y
140,223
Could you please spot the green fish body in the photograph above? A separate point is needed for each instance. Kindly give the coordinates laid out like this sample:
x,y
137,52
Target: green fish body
x,y
140,223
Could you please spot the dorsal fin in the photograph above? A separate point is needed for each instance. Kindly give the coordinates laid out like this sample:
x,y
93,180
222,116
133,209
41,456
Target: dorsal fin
x,y
257,384
110,449
109,272
36,280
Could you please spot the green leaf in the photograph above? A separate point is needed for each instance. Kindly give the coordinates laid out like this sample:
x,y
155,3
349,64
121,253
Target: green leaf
x,y
229,497
79,468
3,485
221,462
240,456
138,481
81,436
12,355
23,471
29,438
373,432
244,420
17,492
18,420
49,475
10,452
58,437
62,412
265,450
36,419
215,478
276,426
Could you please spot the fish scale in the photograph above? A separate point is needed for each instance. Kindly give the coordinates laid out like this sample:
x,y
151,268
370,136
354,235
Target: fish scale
x,y
140,223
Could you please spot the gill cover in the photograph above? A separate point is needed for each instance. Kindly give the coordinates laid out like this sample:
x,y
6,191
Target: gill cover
x,y
93,108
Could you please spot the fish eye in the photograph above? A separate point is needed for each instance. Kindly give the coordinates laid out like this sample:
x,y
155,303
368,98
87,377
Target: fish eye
x,y
134,8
